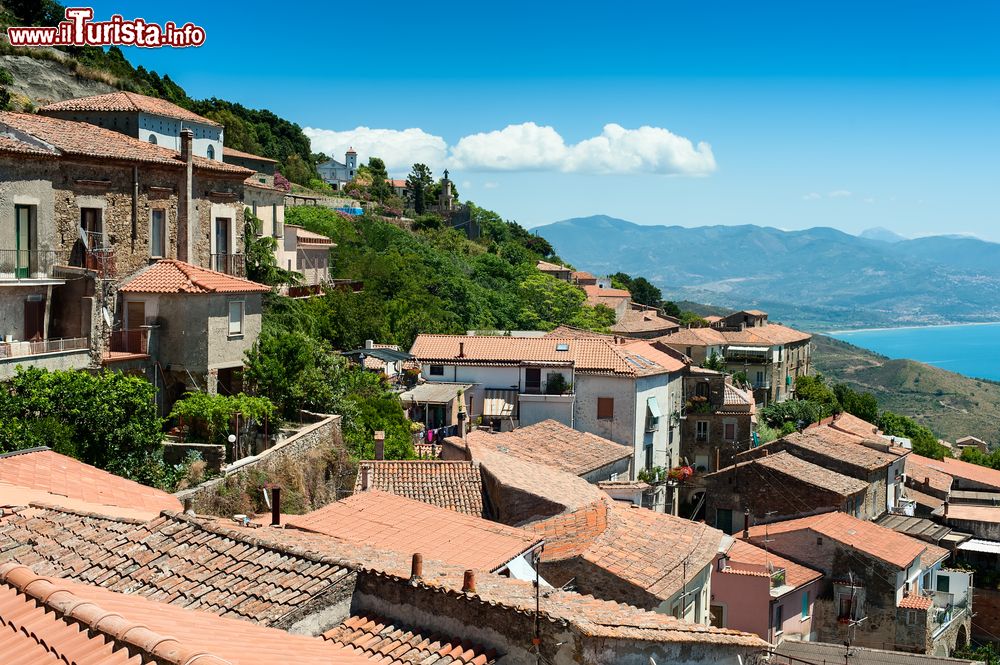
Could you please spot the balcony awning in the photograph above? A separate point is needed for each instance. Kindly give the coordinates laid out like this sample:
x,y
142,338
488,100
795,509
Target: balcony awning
x,y
653,406
499,403
748,349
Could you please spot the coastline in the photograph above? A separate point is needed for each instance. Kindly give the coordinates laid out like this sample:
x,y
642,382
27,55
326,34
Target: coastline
x,y
849,331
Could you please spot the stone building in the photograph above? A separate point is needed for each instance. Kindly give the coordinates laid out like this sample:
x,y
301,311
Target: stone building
x,y
779,486
884,589
717,423
82,207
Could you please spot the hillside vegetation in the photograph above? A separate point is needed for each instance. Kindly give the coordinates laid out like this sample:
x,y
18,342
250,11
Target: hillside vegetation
x,y
951,404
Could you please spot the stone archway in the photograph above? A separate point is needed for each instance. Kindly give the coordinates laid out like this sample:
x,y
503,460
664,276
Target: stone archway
x,y
961,640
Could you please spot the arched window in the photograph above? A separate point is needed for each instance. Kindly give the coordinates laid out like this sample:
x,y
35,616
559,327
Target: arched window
x,y
211,152
152,139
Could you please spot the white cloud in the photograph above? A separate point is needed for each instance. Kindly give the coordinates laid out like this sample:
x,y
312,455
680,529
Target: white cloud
x,y
812,196
839,194
531,147
400,149
491,185
525,147
835,194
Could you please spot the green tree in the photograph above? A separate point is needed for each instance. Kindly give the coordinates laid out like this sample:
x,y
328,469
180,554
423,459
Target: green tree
x,y
644,292
418,184
259,255
814,389
296,169
922,439
547,301
670,308
864,405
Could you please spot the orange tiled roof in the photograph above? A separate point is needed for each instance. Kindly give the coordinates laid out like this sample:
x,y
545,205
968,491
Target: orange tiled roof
x,y
916,602
553,444
956,468
828,442
972,513
56,621
643,321
48,471
233,152
455,485
786,464
851,424
593,292
592,355
744,556
173,276
545,266
123,101
173,559
919,470
770,334
44,135
393,644
884,544
388,521
694,337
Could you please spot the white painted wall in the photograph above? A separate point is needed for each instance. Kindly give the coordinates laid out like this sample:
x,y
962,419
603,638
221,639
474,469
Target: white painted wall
x,y
167,133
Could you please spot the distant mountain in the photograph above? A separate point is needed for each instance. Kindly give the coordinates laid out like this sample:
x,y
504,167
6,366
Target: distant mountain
x,y
881,233
818,278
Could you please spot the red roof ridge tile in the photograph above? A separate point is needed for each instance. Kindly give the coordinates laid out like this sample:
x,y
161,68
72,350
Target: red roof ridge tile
x,y
124,100
175,276
133,636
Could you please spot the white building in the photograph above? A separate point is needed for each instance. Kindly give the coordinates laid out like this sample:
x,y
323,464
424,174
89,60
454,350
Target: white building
x,y
148,119
337,174
628,392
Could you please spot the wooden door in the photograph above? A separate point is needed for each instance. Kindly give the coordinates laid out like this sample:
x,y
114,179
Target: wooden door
x,y
135,314
34,320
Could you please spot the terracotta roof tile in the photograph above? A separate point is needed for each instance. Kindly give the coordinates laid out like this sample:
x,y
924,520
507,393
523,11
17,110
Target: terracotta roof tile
x,y
595,292
128,101
694,337
644,321
884,544
545,266
956,468
744,556
382,520
789,465
846,422
173,276
58,621
962,511
395,644
48,471
86,140
553,444
593,355
233,152
921,469
834,444
455,485
916,602
172,559
770,334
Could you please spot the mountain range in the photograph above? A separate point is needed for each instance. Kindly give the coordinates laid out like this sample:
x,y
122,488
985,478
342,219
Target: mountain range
x,y
818,278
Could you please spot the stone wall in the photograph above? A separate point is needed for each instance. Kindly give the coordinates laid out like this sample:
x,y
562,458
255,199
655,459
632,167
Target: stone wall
x,y
175,452
322,434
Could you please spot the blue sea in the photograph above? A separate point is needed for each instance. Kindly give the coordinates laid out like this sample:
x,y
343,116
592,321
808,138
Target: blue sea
x,y
970,349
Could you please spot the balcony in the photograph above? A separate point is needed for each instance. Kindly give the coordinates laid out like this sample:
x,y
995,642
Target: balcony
x,y
231,264
37,348
952,604
29,264
66,353
127,345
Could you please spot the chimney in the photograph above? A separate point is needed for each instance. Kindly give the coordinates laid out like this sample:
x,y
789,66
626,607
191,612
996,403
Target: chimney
x,y
417,567
469,583
275,505
365,478
379,445
746,524
189,506
946,508
369,344
461,349
185,204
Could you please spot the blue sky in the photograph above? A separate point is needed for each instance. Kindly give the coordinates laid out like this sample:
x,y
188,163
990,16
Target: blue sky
x,y
788,114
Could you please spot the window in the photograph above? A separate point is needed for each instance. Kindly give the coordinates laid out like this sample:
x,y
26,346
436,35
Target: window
x,y
210,152
701,389
605,408
532,380
701,430
760,380
649,457
943,583
437,370
846,611
687,351
718,616
236,317
779,619
911,617
274,220
805,604
152,139
729,430
652,414
157,233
